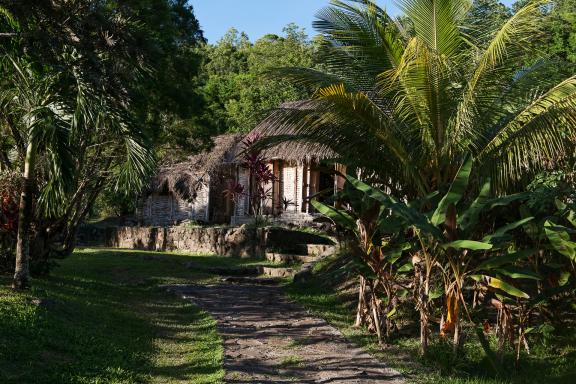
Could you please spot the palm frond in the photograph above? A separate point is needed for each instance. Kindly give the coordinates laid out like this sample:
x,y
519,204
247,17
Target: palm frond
x,y
437,23
539,136
509,42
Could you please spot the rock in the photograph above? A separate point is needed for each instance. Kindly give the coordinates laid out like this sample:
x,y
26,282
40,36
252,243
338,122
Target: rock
x,y
239,271
45,303
237,236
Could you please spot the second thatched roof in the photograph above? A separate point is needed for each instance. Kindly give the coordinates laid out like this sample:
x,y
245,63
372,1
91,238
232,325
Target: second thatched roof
x,y
186,178
290,145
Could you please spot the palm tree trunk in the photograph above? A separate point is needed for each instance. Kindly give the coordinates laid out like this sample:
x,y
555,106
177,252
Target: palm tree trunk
x,y
22,270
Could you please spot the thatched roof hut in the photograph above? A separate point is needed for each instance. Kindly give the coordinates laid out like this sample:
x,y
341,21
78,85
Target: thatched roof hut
x,y
283,141
186,178
198,188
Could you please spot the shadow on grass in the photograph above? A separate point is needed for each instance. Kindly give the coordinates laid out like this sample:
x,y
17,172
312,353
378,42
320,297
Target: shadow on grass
x,y
101,318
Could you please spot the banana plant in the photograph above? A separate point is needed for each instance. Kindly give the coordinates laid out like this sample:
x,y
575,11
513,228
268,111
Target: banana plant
x,y
451,237
377,248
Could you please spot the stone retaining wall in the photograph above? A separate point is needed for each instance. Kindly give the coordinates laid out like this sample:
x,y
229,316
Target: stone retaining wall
x,y
286,218
225,241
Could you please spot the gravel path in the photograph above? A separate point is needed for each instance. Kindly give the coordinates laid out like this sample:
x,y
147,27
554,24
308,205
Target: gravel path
x,y
269,340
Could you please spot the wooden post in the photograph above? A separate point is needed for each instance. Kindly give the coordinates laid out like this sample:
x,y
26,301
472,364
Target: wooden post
x,y
305,186
339,181
277,188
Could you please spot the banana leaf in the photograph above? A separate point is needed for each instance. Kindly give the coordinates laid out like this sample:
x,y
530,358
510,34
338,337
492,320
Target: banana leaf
x,y
518,273
419,203
409,215
340,217
511,258
467,244
560,239
564,278
393,254
508,288
498,235
455,192
470,217
505,200
406,267
569,214
531,228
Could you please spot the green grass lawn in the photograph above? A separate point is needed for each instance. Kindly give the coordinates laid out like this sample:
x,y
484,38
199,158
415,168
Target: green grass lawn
x,y
546,365
103,319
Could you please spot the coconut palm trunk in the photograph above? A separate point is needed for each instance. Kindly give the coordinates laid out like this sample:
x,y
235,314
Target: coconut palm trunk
x,y
25,212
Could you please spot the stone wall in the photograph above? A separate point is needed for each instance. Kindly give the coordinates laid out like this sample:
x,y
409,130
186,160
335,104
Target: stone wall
x,y
287,218
225,241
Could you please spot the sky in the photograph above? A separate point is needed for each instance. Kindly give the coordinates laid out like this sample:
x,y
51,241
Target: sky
x,y
259,17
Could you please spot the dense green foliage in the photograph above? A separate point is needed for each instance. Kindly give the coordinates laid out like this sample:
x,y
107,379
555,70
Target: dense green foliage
x,y
238,95
90,92
562,26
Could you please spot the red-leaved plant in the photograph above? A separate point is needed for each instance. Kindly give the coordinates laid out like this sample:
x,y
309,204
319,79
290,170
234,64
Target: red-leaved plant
x,y
260,175
8,214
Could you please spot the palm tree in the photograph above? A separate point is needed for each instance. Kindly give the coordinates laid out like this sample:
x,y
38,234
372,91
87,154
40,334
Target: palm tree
x,y
39,121
408,103
55,129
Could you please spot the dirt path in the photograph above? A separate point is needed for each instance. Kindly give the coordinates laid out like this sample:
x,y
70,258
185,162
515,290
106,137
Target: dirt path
x,y
268,340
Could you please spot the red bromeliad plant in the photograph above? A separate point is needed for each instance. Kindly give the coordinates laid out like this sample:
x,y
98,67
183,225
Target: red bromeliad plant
x,y
9,188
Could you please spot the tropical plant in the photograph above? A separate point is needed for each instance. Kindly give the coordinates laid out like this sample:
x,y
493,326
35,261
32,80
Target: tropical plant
x,y
409,107
39,119
442,234
376,243
260,178
52,135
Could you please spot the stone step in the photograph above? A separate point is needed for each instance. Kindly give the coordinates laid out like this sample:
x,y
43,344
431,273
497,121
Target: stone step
x,y
278,272
251,280
288,258
320,249
226,271
305,249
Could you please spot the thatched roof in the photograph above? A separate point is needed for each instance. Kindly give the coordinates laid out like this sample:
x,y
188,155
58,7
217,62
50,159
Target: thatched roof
x,y
290,146
186,178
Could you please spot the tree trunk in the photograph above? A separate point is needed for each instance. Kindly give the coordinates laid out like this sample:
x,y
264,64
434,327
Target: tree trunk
x,y
422,292
361,302
376,314
22,270
423,333
457,335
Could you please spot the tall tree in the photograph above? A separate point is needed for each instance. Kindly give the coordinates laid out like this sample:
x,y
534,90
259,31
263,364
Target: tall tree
x,y
562,26
82,69
485,18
